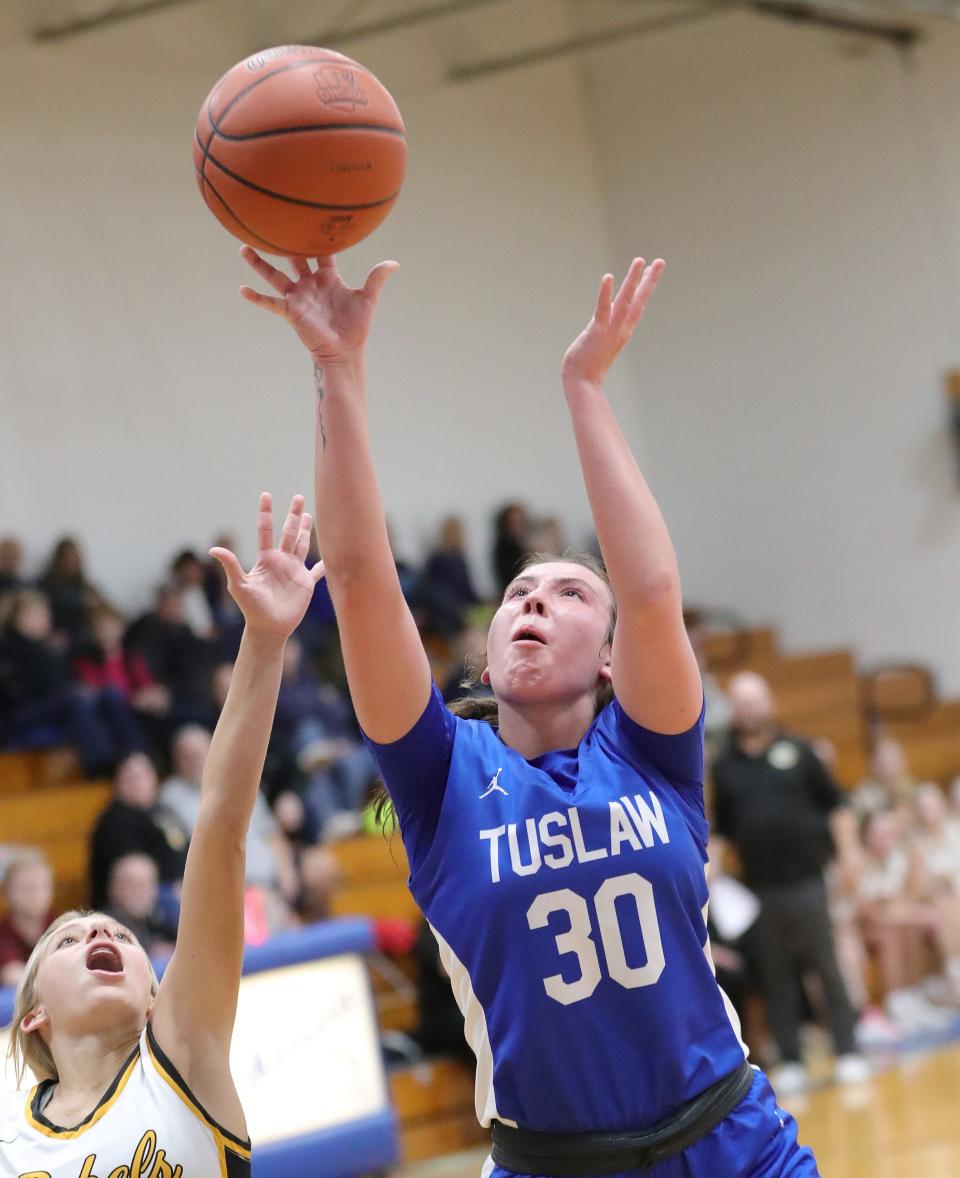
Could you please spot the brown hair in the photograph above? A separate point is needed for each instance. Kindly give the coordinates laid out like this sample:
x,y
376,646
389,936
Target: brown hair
x,y
28,1049
485,707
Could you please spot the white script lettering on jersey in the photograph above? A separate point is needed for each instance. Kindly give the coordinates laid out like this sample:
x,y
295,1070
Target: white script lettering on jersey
x,y
494,785
633,821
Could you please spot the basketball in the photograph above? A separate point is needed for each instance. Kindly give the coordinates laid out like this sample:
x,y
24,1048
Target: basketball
x,y
299,151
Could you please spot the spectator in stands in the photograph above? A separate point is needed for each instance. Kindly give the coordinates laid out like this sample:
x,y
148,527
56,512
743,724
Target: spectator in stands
x,y
895,927
936,849
313,724
270,866
190,576
134,823
510,544
888,783
445,591
778,805
103,662
28,892
133,898
71,595
177,659
42,705
11,562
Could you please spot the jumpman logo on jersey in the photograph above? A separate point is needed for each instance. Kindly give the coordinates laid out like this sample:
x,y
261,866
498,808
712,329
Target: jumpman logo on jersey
x,y
494,786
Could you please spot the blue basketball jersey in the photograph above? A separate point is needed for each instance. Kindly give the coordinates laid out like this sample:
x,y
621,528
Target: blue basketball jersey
x,y
568,896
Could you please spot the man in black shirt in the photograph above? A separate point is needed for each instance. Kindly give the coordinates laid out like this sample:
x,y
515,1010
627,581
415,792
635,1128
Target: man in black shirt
x,y
778,805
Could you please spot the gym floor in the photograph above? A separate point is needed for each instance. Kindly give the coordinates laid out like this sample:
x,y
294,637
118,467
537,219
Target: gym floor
x,y
903,1123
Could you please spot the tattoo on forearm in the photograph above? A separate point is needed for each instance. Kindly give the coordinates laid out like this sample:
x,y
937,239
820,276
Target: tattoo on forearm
x,y
318,385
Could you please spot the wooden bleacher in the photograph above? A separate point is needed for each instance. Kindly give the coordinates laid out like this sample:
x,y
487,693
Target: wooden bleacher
x,y
37,810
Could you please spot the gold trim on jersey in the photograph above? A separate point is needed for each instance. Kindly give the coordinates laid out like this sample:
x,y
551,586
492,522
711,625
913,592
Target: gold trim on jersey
x,y
223,1138
107,1101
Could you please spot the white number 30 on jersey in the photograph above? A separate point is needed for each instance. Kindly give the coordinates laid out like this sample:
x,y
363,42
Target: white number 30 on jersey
x,y
578,938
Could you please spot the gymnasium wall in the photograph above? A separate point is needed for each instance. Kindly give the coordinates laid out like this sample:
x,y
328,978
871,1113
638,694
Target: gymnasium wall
x,y
805,188
145,405
785,396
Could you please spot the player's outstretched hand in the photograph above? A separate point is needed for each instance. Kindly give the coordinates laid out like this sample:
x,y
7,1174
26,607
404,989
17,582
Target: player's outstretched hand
x,y
333,320
596,347
274,595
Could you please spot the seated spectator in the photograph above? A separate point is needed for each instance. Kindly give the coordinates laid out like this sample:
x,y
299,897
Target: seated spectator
x,y
935,843
103,662
895,927
190,576
134,823
176,658
71,595
133,898
270,863
510,544
444,591
313,726
28,891
43,706
888,782
11,561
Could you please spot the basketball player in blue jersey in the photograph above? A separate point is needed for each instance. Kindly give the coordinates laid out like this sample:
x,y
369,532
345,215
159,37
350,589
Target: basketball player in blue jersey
x,y
557,848
135,1077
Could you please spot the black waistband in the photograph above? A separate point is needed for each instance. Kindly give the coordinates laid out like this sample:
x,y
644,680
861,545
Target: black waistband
x,y
570,1155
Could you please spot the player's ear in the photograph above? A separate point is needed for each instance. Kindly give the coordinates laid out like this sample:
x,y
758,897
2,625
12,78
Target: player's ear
x,y
485,676
34,1019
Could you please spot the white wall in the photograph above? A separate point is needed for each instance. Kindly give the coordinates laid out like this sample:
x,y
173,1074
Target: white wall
x,y
805,189
145,404
785,395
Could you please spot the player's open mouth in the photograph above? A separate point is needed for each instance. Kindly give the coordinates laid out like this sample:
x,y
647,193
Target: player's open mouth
x,y
529,634
105,959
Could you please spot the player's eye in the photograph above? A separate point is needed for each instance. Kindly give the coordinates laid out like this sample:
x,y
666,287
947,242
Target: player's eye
x,y
64,939
517,590
575,592
122,935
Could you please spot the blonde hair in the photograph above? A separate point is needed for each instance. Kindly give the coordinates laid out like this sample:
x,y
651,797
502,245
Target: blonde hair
x,y
27,1048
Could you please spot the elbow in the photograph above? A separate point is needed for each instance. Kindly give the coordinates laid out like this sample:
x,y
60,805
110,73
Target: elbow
x,y
656,591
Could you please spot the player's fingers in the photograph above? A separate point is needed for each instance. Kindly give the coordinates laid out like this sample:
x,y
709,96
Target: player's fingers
x,y
276,278
268,302
602,310
265,522
376,278
230,565
291,525
646,288
302,267
303,538
318,572
631,280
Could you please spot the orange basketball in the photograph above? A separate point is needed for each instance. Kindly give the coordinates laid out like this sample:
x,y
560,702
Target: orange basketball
x,y
299,151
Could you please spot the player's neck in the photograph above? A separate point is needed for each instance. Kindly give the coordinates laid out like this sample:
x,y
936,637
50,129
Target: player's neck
x,y
543,728
87,1065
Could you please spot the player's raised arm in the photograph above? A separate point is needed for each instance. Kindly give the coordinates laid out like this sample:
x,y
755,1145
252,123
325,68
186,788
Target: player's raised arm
x,y
655,674
387,668
196,1005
